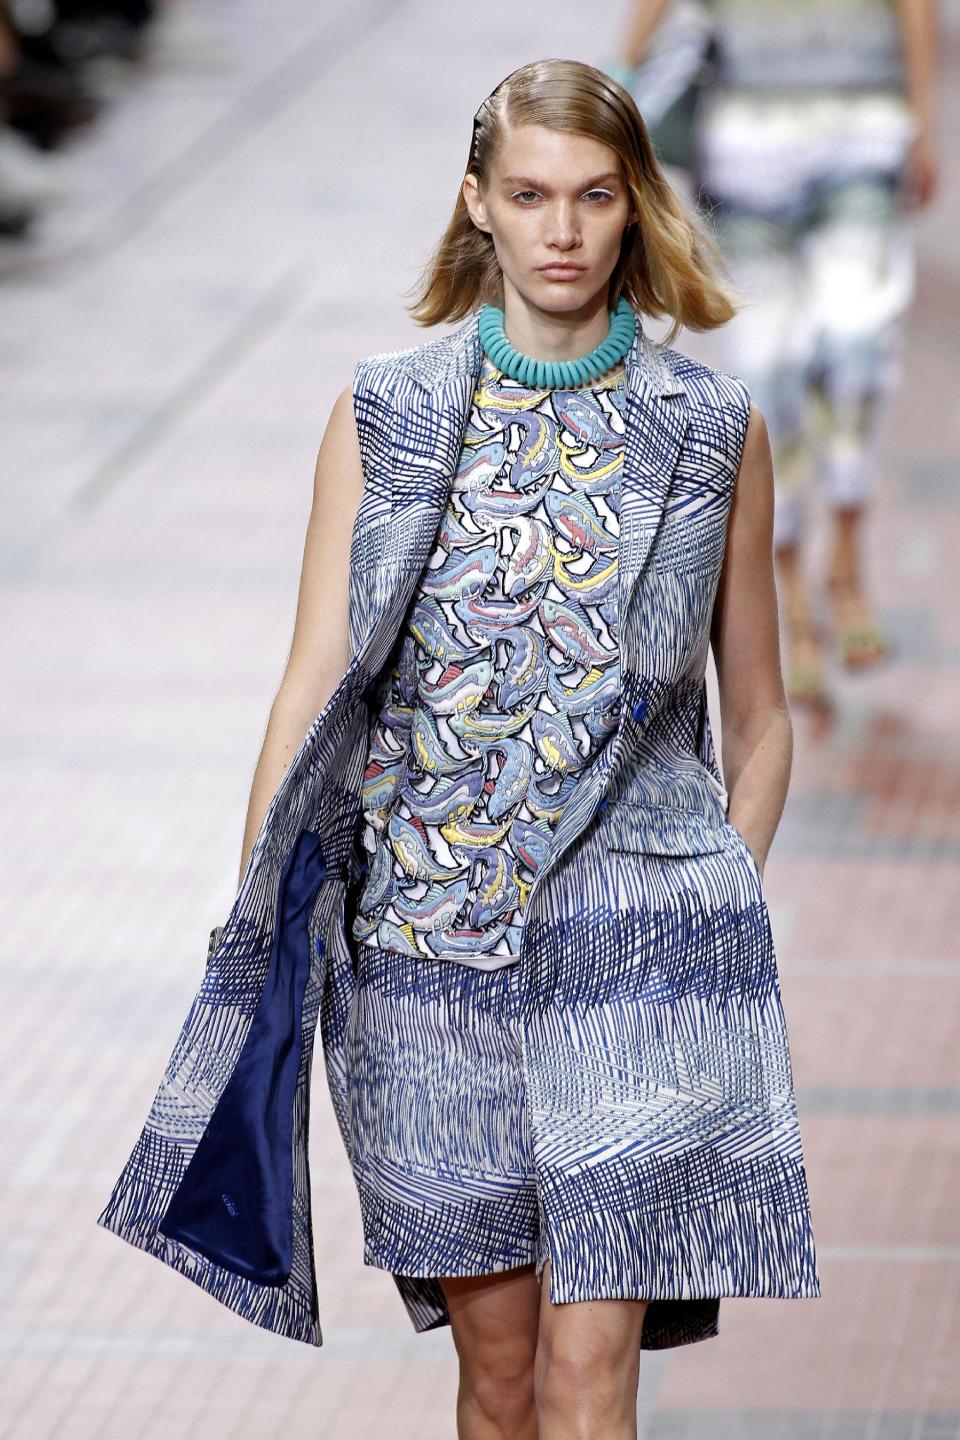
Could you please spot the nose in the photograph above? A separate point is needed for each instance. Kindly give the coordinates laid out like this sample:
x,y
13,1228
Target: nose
x,y
564,230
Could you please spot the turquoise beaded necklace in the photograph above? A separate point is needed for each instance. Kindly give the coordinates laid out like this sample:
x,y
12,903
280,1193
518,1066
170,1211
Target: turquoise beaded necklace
x,y
559,374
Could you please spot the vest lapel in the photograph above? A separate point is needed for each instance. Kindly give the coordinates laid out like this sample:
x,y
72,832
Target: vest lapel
x,y
428,427
656,419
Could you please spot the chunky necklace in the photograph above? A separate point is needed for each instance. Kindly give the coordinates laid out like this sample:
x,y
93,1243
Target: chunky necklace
x,y
559,374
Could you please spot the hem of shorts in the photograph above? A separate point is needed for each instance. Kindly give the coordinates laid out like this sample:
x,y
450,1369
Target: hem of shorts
x,y
492,1267
574,1294
570,1294
792,1275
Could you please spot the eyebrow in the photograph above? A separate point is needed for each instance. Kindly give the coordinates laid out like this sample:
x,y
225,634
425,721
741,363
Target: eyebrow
x,y
538,185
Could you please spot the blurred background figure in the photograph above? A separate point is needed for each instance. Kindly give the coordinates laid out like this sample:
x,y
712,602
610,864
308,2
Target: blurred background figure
x,y
60,63
806,129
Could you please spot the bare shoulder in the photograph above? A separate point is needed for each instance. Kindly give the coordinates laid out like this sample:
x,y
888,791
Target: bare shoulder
x,y
339,469
756,445
341,427
756,462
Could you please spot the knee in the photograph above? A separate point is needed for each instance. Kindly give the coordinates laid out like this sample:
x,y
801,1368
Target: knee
x,y
586,1375
498,1378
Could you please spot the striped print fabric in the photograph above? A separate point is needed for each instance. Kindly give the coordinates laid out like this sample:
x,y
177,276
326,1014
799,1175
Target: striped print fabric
x,y
620,1101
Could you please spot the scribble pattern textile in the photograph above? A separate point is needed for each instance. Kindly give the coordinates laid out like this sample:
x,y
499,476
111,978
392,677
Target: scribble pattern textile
x,y
621,1102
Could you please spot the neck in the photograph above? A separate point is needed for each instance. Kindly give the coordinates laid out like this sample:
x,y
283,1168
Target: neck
x,y
554,334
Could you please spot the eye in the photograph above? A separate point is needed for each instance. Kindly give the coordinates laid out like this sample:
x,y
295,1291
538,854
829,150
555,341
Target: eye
x,y
600,194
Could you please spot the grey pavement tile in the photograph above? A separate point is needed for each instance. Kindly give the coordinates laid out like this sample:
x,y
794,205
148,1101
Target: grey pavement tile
x,y
802,1425
854,1100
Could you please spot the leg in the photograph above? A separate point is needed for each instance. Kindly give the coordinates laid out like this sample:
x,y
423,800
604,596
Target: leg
x,y
863,281
806,680
860,638
588,1367
769,344
494,1319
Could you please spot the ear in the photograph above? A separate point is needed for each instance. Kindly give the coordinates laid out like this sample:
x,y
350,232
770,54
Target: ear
x,y
473,200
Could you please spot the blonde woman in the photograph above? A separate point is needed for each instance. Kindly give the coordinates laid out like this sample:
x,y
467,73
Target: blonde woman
x,y
489,846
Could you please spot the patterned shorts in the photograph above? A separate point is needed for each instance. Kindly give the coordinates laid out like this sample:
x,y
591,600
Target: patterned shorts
x,y
439,1117
620,1100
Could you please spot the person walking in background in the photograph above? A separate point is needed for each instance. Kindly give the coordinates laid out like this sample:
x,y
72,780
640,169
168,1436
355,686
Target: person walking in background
x,y
60,63
807,126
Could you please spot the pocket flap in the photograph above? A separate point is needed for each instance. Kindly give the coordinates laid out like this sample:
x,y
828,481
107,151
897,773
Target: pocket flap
x,y
660,829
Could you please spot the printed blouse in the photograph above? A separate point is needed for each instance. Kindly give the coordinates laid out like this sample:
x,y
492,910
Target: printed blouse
x,y
504,683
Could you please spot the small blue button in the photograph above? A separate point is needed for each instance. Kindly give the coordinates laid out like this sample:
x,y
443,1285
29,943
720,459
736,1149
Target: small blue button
x,y
603,803
639,710
320,946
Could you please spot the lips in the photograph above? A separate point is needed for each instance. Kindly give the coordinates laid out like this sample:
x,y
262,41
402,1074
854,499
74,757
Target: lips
x,y
563,269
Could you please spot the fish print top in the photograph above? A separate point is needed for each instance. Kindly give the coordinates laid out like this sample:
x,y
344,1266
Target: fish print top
x,y
504,682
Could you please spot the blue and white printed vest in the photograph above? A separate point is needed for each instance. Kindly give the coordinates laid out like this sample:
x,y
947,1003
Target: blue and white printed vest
x,y
218,1184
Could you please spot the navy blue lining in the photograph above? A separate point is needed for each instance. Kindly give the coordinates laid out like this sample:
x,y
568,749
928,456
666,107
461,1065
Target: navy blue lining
x,y
234,1204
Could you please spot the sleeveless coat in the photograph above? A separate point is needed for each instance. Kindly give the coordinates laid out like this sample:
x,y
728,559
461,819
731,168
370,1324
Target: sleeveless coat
x,y
217,1185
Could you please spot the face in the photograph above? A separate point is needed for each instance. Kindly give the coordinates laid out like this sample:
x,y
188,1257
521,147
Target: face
x,y
553,200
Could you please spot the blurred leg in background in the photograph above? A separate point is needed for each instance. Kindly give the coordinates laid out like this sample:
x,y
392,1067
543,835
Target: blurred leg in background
x,y
805,194
862,281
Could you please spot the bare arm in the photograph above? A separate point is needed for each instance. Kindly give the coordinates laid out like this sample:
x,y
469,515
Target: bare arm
x,y
320,649
918,30
757,735
642,25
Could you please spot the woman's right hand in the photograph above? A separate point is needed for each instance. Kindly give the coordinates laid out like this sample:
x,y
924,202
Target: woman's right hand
x,y
923,171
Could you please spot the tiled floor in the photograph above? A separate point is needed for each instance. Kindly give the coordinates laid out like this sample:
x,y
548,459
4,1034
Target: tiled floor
x,y
238,232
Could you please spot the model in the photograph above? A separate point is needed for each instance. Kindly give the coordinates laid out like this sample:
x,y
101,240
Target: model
x,y
501,869
810,144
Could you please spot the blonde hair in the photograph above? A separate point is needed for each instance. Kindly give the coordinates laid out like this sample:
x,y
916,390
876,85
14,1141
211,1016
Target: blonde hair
x,y
668,266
